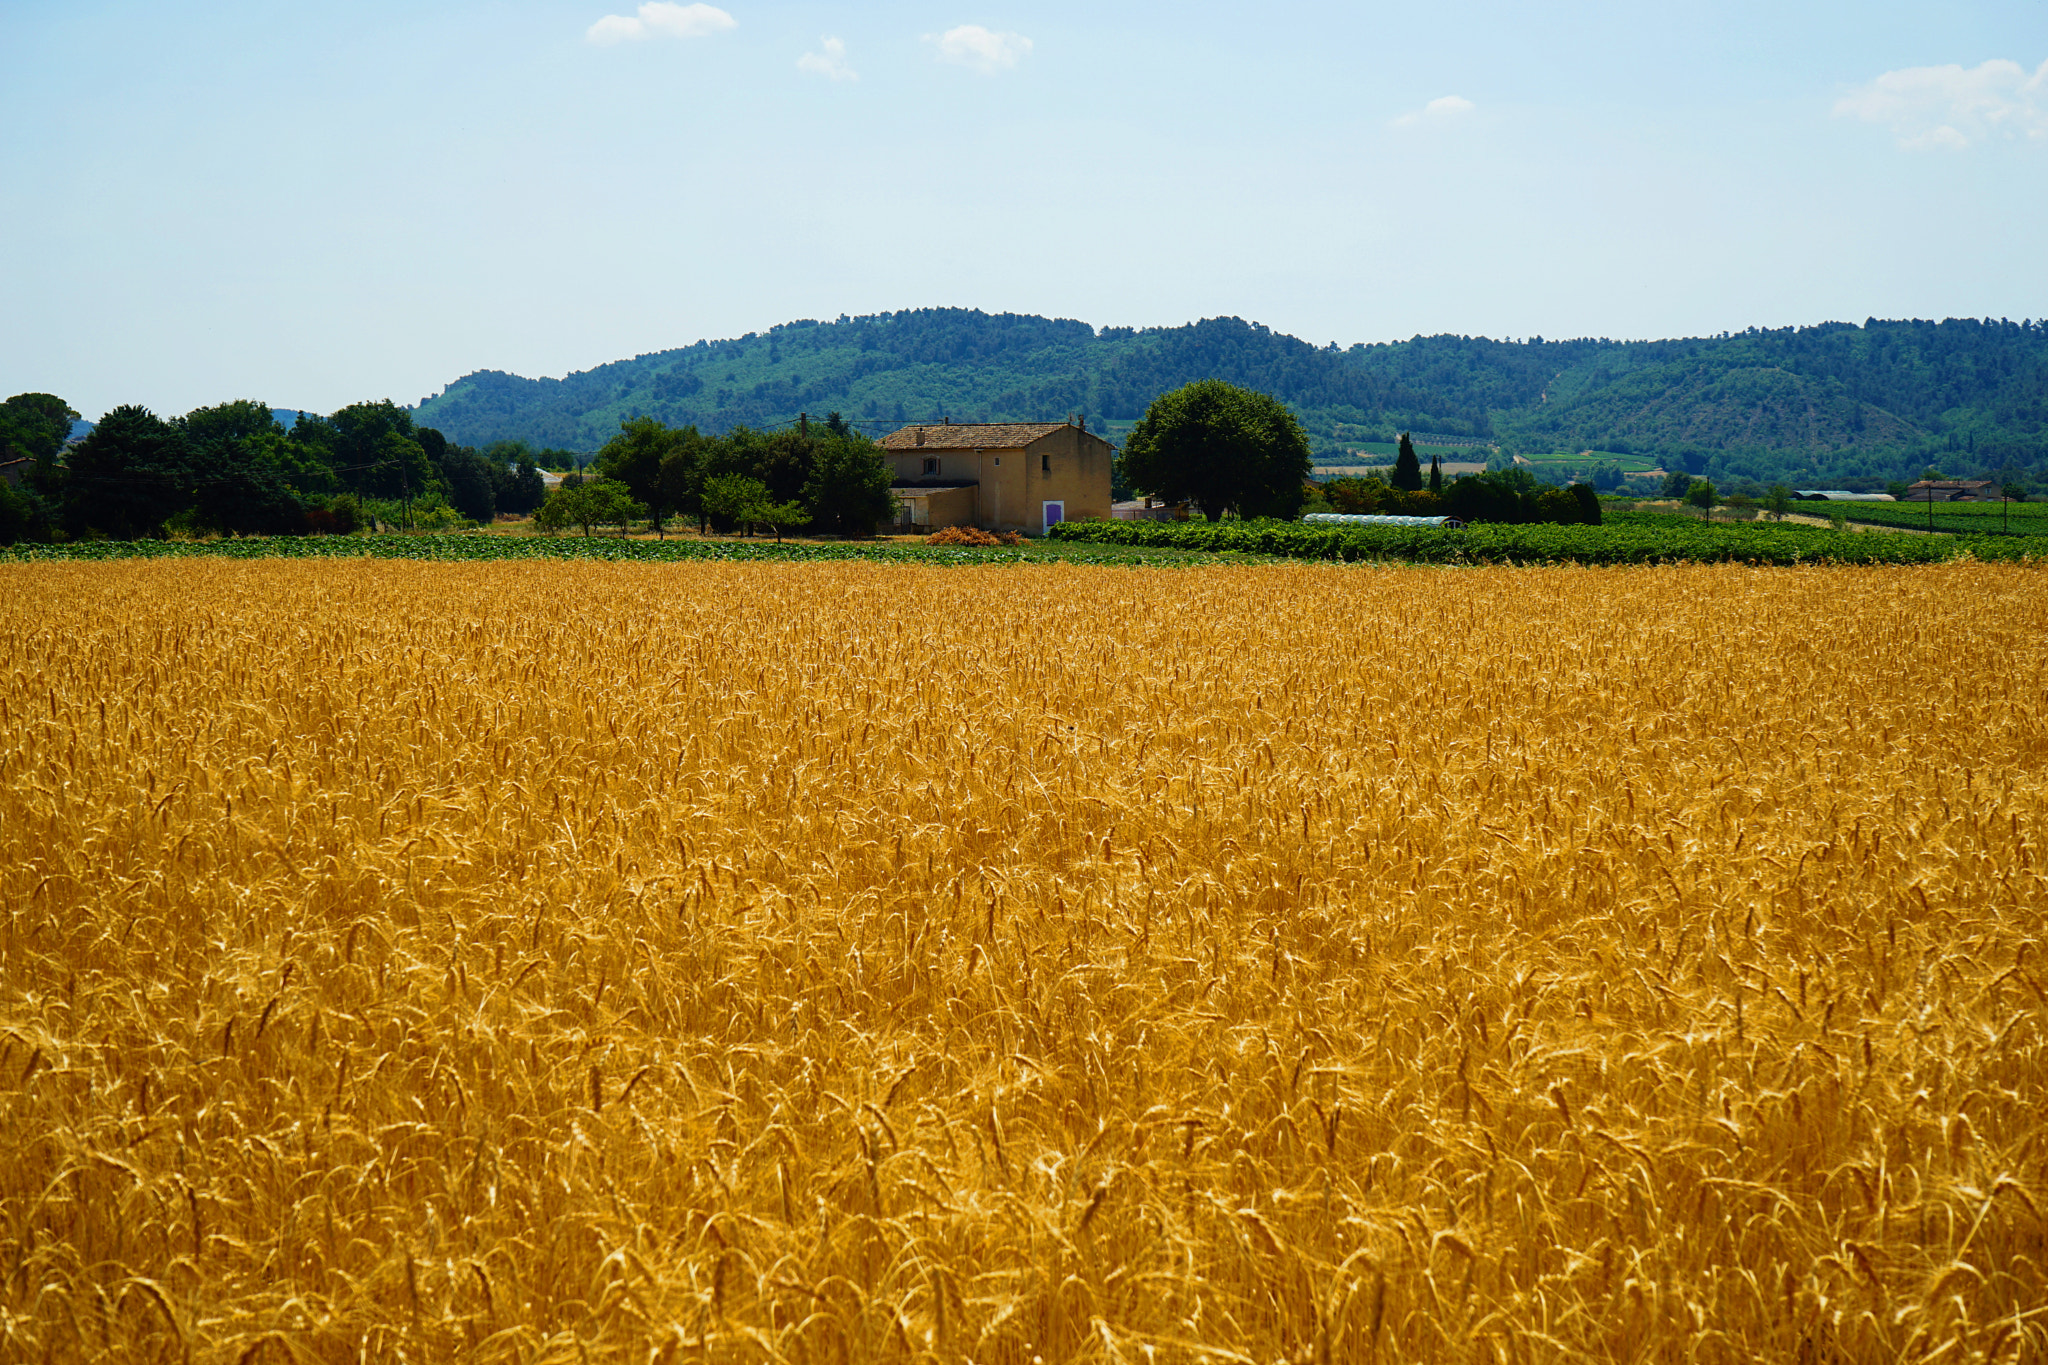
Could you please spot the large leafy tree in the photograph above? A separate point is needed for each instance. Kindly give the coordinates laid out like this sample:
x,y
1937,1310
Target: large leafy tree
x,y
248,476
463,474
230,424
34,426
734,498
681,475
519,487
787,461
636,458
471,478
848,488
592,502
24,515
745,503
515,476
376,450
131,475
1221,448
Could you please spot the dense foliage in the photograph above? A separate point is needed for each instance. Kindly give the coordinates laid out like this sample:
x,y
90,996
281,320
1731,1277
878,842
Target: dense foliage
x,y
826,476
586,503
235,469
1221,448
1510,496
1812,406
33,427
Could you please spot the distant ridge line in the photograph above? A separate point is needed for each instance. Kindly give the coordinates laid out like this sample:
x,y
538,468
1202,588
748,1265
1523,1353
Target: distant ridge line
x,y
1826,403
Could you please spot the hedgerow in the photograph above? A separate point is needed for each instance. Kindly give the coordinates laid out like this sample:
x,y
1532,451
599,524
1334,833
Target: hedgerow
x,y
1624,540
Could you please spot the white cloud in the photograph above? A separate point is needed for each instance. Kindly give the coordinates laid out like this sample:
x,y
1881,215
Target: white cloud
x,y
1438,110
830,63
985,51
1954,106
660,19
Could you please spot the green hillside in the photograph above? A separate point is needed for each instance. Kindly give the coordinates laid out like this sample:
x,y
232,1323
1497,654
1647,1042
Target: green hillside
x,y
1835,403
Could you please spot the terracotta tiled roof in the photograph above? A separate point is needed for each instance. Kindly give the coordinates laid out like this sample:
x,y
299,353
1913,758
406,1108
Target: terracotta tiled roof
x,y
971,436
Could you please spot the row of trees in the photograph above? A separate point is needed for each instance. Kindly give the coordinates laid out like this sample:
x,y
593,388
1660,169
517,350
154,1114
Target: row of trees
x,y
826,476
1225,449
235,469
1512,496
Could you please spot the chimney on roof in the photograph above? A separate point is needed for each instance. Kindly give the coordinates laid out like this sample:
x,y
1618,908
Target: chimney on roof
x,y
948,421
1081,421
920,435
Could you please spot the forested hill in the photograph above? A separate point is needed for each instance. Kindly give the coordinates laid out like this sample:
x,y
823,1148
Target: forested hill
x,y
1829,402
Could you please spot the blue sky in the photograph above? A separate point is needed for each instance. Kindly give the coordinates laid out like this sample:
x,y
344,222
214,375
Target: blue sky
x,y
312,205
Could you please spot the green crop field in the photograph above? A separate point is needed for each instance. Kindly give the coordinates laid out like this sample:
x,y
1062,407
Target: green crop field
x,y
1390,449
1626,538
1630,464
1956,518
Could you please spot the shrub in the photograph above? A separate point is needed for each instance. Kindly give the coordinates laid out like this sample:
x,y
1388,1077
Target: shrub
x,y
340,516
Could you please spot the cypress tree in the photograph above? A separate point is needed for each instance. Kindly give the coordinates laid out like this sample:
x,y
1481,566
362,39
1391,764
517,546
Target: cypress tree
x,y
1436,476
1407,469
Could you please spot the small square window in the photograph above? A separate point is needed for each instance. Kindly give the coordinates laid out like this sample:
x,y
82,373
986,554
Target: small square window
x,y
1045,464
931,466
999,462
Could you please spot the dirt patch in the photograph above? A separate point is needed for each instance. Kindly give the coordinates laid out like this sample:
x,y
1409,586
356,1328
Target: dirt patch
x,y
1802,519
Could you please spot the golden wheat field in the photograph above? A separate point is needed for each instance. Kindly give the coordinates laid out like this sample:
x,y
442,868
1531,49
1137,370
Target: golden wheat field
x,y
513,962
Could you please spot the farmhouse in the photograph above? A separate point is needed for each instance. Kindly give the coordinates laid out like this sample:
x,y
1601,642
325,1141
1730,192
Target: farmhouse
x,y
1006,476
1952,490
